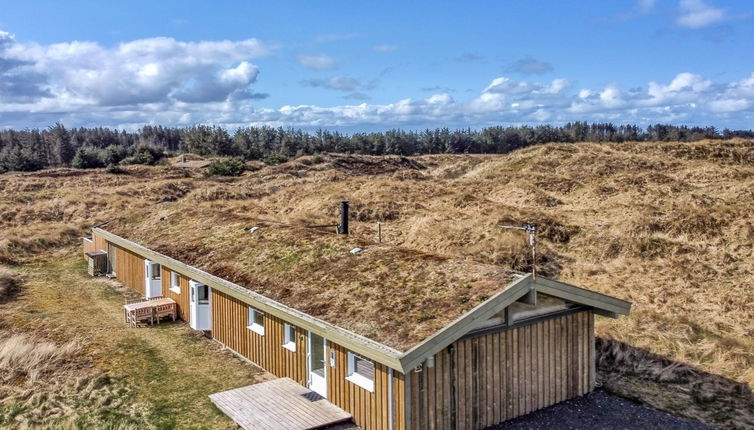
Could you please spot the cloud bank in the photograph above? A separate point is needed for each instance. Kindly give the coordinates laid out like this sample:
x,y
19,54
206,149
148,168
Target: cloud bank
x,y
170,82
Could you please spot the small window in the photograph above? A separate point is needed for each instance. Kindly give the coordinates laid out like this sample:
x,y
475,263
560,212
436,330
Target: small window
x,y
361,371
256,321
203,293
289,337
175,282
156,269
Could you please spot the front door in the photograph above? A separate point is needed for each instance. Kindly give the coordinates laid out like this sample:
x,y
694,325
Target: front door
x,y
152,281
200,307
317,366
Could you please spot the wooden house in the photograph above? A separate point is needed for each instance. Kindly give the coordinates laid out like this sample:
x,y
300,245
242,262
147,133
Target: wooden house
x,y
398,338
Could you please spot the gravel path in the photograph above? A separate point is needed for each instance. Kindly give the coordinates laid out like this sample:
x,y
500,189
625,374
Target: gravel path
x,y
600,410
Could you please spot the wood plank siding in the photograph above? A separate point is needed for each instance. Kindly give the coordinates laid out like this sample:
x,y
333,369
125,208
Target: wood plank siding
x,y
369,409
95,243
182,298
478,381
229,327
483,380
129,269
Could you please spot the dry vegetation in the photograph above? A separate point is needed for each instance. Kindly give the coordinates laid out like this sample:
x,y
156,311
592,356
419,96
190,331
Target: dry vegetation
x,y
396,296
667,226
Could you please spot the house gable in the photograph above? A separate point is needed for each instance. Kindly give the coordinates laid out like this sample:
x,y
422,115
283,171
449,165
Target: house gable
x,y
524,290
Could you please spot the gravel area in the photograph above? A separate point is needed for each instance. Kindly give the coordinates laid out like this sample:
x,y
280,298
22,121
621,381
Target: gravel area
x,y
600,410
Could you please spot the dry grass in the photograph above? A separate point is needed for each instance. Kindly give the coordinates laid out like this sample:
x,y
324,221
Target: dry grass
x,y
10,285
25,358
396,296
67,360
667,226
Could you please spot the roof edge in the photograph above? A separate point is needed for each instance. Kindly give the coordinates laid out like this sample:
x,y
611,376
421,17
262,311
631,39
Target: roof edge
x,y
357,343
605,305
455,330
601,303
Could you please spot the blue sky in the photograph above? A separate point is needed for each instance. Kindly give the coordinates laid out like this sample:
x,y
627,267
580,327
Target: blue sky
x,y
376,65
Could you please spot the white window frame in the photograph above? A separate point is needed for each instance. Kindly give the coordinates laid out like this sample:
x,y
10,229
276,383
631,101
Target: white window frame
x,y
360,380
289,337
175,282
252,321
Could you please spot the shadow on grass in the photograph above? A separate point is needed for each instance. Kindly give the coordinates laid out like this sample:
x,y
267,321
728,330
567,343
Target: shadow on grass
x,y
645,377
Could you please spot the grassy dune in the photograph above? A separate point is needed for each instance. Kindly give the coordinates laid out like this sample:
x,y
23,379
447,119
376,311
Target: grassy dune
x,y
667,226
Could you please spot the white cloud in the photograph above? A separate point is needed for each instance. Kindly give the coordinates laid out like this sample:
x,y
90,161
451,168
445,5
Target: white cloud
x,y
155,70
729,105
164,81
317,61
696,14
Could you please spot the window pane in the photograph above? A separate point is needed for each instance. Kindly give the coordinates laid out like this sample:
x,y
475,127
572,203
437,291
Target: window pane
x,y
364,367
259,318
289,333
156,271
318,355
203,294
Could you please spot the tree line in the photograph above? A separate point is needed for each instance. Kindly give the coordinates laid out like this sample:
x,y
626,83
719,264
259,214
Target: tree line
x,y
57,146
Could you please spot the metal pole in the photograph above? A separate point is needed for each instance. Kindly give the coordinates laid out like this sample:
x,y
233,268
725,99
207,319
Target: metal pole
x,y
533,241
379,232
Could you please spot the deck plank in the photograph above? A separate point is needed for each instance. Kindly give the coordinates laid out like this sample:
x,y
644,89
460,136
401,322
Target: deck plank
x,y
279,404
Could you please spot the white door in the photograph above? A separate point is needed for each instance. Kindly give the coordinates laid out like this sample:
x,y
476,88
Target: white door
x,y
317,364
152,281
200,306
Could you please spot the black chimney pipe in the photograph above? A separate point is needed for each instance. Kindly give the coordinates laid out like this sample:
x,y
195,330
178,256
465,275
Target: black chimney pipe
x,y
343,227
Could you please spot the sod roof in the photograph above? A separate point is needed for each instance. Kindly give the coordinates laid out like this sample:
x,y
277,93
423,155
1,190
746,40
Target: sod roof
x,y
392,295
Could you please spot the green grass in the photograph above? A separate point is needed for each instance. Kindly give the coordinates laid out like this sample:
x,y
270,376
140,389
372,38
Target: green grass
x,y
166,372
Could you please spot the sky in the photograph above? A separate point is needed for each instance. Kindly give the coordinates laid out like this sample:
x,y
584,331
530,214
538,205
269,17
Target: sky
x,y
370,66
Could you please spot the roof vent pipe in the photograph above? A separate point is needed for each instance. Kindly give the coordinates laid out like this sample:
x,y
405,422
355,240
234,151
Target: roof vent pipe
x,y
343,227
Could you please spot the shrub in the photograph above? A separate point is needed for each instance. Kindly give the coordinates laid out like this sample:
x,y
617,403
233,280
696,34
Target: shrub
x,y
226,167
145,154
88,158
114,169
275,158
114,154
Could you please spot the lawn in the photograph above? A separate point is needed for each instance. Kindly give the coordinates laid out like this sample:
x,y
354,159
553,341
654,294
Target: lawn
x,y
116,377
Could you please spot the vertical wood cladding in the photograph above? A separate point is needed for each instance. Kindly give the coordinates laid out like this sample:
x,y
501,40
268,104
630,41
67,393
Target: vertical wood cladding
x,y
97,243
229,326
182,298
129,269
478,382
369,409
493,377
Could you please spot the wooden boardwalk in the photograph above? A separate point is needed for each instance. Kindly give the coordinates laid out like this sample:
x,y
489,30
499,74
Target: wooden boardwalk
x,y
279,404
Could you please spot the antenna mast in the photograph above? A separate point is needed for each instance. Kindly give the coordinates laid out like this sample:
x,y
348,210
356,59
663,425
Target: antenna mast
x,y
532,230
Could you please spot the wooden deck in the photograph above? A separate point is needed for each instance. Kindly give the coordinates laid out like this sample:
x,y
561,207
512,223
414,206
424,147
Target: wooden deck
x,y
278,404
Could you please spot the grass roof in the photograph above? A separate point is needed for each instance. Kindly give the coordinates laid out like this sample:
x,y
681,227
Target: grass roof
x,y
395,296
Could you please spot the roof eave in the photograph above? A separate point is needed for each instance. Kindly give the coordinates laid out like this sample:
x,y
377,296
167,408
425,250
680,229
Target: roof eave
x,y
601,304
441,339
361,345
